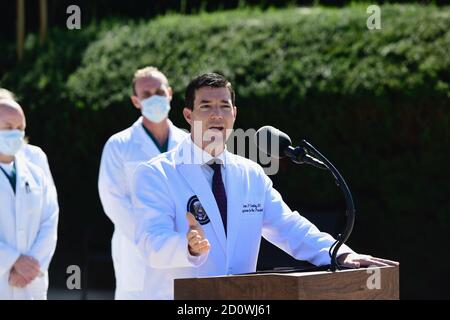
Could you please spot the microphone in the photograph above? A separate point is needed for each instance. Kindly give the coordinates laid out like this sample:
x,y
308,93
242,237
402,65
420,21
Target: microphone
x,y
278,145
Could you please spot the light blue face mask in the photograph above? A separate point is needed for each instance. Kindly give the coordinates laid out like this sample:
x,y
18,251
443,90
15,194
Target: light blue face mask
x,y
11,141
156,108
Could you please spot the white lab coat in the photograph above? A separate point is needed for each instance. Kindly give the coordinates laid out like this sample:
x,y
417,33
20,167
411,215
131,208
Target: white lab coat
x,y
28,222
121,155
37,157
161,190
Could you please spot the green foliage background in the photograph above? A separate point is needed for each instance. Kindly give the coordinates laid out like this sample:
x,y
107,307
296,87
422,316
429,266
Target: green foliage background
x,y
375,102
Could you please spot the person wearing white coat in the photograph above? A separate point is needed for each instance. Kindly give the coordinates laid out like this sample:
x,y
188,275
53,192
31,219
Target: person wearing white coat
x,y
28,212
200,219
146,138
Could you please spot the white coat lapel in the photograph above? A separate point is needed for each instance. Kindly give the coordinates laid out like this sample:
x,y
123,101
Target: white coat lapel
x,y
22,177
234,194
25,181
175,136
143,141
195,178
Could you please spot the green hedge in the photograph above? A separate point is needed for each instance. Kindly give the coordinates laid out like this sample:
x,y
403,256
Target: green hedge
x,y
352,91
375,102
287,54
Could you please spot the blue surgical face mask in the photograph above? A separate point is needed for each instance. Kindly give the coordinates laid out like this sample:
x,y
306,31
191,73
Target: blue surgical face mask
x,y
11,141
156,108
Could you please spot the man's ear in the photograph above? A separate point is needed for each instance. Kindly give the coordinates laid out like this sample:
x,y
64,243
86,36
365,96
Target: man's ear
x,y
169,89
136,102
187,115
235,112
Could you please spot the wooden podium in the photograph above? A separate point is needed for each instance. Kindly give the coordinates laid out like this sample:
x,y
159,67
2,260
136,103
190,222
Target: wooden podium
x,y
355,284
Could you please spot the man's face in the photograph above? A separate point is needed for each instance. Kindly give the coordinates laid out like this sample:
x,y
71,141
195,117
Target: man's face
x,y
147,87
212,117
11,116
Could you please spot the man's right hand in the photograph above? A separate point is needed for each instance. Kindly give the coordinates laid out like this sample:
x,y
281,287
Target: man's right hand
x,y
28,267
197,243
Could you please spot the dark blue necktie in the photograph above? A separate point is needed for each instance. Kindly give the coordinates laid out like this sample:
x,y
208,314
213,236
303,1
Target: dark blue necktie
x,y
218,190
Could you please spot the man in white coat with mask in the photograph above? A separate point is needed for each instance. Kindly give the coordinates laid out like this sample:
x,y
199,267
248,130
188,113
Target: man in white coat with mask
x,y
150,135
34,153
203,210
28,211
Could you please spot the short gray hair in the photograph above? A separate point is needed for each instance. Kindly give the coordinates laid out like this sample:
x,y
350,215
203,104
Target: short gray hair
x,y
6,94
146,72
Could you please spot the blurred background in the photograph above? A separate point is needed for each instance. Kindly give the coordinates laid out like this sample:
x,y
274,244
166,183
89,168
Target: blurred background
x,y
375,102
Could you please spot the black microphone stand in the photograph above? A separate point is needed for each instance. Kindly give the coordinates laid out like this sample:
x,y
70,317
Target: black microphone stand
x,y
302,154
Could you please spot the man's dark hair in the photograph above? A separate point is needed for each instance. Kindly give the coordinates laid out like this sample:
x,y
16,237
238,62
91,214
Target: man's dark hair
x,y
213,80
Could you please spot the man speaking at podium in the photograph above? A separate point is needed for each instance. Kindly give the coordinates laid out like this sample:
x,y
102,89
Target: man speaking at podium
x,y
203,209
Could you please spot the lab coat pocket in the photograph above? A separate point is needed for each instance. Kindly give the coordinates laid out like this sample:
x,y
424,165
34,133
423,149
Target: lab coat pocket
x,y
34,198
251,221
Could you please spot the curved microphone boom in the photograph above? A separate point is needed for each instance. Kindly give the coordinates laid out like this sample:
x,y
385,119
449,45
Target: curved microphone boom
x,y
277,144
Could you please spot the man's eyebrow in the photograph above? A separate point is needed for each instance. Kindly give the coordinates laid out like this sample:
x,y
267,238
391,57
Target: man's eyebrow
x,y
153,90
209,101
